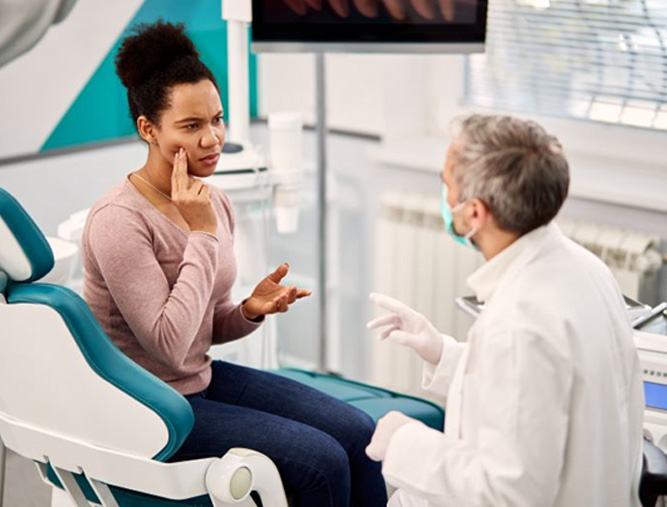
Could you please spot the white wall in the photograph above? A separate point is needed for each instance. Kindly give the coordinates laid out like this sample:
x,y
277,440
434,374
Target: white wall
x,y
53,187
369,94
365,93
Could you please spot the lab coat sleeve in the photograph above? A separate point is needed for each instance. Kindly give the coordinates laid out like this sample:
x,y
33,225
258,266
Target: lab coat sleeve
x,y
520,388
437,378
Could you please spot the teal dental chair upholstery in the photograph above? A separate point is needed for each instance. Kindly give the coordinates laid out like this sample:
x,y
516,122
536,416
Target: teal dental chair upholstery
x,y
375,401
99,427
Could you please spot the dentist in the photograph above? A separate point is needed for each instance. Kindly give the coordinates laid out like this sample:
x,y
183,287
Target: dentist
x,y
544,400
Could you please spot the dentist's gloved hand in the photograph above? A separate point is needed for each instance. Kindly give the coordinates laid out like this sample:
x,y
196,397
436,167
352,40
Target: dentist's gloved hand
x,y
386,427
405,326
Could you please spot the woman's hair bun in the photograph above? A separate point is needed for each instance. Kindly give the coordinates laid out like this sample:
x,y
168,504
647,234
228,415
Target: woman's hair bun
x,y
150,49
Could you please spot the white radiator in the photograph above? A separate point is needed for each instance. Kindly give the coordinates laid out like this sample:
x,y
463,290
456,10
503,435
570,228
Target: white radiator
x,y
633,257
417,263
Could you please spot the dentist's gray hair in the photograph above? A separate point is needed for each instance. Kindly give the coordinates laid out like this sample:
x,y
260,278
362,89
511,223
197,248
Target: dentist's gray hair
x,y
514,166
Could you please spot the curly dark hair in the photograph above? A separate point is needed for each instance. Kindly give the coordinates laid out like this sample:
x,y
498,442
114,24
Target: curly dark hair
x,y
151,61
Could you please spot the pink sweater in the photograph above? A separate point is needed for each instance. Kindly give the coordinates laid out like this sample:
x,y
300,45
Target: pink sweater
x,y
162,294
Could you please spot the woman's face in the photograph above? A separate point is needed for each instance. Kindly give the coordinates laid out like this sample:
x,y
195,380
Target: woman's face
x,y
194,122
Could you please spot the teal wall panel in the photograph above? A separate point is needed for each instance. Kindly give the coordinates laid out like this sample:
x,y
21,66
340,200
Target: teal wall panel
x,y
100,112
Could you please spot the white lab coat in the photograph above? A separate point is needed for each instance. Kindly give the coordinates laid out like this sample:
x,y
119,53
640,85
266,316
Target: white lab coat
x,y
544,402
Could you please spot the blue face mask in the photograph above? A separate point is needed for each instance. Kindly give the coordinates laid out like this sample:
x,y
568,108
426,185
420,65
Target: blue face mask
x,y
448,218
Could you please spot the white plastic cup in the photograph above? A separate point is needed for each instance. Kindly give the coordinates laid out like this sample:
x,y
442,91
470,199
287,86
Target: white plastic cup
x,y
286,154
286,141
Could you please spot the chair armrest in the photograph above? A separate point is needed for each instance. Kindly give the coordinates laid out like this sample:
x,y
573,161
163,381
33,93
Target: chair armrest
x,y
240,471
176,481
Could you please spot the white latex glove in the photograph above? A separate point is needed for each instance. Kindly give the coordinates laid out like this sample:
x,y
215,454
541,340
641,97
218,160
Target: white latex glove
x,y
405,326
385,429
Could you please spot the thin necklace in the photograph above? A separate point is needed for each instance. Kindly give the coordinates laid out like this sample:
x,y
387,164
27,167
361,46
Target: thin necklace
x,y
152,186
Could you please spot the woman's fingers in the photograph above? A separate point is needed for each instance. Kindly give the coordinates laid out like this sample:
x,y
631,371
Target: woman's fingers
x,y
281,304
196,187
303,293
280,273
180,181
179,175
286,298
291,294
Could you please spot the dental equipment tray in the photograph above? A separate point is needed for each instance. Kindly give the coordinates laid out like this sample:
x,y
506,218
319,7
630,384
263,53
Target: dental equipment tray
x,y
643,317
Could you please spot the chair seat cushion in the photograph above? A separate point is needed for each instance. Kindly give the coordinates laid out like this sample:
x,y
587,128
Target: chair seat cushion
x,y
375,401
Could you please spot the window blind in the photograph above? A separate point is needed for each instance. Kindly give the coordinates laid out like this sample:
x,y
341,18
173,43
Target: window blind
x,y
601,60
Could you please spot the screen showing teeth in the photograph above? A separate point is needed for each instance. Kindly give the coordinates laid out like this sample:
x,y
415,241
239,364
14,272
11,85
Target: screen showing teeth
x,y
369,25
414,11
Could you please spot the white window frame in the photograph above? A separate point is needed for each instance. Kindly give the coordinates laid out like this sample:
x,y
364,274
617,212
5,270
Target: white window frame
x,y
609,163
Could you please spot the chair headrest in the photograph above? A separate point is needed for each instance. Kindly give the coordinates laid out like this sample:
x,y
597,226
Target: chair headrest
x,y
25,255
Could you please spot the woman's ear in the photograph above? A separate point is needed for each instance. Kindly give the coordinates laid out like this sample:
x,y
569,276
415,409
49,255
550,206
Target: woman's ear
x,y
146,130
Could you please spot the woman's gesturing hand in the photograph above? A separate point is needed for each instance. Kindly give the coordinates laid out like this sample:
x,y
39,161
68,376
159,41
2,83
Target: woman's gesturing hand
x,y
271,297
191,197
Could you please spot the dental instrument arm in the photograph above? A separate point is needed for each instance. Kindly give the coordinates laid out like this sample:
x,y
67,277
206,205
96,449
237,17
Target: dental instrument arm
x,y
25,22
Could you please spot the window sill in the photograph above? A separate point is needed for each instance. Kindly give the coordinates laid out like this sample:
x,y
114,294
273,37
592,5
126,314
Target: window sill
x,y
631,183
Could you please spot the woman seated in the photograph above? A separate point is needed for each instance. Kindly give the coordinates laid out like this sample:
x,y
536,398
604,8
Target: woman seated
x,y
159,268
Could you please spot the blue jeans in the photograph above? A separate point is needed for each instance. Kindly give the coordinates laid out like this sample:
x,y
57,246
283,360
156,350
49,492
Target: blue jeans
x,y
316,441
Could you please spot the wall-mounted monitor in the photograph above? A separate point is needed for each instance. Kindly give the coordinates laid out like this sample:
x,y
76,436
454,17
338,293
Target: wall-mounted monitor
x,y
386,26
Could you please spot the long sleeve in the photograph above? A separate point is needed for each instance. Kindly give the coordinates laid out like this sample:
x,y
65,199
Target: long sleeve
x,y
437,378
515,455
164,320
229,324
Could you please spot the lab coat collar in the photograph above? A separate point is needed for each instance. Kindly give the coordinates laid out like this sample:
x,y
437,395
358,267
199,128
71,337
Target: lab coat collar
x,y
486,279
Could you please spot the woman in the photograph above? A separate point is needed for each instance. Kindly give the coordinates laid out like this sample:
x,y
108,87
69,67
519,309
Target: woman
x,y
159,270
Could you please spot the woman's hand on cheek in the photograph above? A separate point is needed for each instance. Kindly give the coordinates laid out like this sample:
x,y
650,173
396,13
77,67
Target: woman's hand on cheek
x,y
271,297
192,197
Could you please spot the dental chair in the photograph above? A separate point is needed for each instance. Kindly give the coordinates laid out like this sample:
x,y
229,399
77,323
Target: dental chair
x,y
99,428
